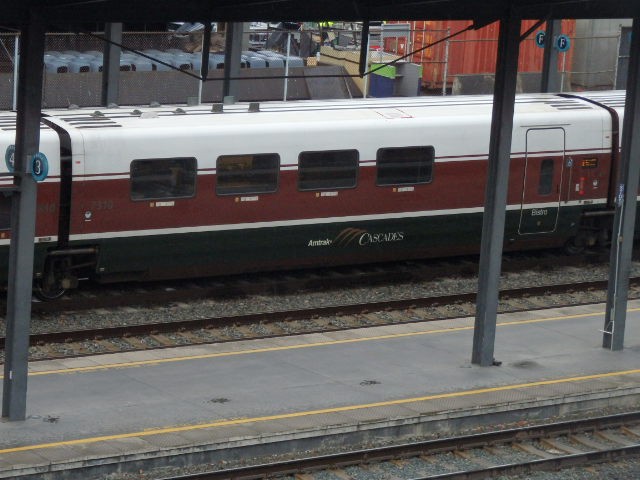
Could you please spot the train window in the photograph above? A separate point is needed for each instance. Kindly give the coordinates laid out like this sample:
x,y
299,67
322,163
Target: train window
x,y
157,178
5,211
405,165
246,174
327,169
546,177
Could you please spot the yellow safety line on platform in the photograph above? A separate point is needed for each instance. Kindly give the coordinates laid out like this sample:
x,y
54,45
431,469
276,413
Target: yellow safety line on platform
x,y
244,421
159,361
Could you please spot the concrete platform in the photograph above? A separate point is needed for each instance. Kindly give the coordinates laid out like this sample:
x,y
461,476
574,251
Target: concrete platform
x,y
126,412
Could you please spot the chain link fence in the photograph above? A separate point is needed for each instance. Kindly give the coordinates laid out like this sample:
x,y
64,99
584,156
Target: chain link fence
x,y
8,70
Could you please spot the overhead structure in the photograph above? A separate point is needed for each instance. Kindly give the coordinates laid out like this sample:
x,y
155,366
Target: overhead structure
x,y
34,17
626,204
549,79
76,12
495,203
23,218
233,49
111,64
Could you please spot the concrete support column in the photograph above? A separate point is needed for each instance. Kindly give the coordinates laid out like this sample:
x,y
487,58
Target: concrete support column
x,y
23,218
550,81
496,192
625,214
232,59
111,64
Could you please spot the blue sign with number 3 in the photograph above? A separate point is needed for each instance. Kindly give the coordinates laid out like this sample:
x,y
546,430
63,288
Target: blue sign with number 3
x,y
39,167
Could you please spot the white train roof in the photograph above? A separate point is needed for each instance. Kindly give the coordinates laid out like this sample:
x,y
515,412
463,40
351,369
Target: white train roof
x,y
458,125
313,111
610,98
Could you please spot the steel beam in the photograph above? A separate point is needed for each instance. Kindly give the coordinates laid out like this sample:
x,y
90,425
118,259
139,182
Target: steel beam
x,y
232,58
206,48
23,219
496,191
111,64
625,213
550,80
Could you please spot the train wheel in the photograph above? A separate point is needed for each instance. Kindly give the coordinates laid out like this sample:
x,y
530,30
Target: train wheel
x,y
46,292
49,286
573,247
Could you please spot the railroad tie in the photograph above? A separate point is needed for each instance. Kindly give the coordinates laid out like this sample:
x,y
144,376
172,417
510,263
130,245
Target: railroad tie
x,y
528,448
561,446
613,438
587,442
473,458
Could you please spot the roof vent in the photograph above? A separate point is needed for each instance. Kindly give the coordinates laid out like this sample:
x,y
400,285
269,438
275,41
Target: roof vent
x,y
97,113
179,111
136,112
254,107
149,115
217,108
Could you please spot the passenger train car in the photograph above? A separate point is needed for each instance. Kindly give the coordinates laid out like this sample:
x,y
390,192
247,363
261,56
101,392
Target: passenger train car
x,y
159,193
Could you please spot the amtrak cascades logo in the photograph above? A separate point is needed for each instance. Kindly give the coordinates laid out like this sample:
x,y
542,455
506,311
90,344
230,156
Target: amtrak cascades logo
x,y
358,236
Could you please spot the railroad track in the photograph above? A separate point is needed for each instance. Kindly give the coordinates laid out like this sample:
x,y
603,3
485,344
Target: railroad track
x,y
518,451
90,297
275,324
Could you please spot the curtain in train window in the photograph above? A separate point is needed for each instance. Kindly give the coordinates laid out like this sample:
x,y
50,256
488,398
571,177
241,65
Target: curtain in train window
x,y
327,169
545,186
405,165
247,174
159,178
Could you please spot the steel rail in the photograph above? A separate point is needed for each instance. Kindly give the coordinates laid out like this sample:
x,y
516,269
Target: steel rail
x,y
544,464
301,314
465,442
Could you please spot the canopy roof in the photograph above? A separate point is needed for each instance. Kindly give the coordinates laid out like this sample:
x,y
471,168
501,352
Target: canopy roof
x,y
14,12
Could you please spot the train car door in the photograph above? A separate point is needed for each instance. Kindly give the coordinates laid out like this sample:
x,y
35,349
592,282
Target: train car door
x,y
74,178
542,182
